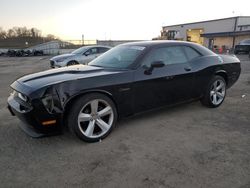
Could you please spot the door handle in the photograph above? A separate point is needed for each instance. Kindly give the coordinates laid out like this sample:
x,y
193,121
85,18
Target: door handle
x,y
187,68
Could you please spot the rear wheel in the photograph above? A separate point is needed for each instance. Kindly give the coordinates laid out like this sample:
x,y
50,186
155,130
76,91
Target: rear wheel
x,y
215,93
92,117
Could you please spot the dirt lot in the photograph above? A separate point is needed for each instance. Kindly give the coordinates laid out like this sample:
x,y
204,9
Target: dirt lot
x,y
185,146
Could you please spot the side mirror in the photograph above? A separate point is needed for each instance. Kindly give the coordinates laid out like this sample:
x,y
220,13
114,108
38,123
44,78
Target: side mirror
x,y
155,64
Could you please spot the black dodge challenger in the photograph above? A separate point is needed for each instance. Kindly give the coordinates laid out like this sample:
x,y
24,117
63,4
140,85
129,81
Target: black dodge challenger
x,y
126,80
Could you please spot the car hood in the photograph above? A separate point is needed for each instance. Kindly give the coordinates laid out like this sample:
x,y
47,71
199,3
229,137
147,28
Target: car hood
x,y
33,82
63,56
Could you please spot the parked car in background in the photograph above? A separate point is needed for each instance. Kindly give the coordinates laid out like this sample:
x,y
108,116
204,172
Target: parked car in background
x,y
127,80
243,47
82,55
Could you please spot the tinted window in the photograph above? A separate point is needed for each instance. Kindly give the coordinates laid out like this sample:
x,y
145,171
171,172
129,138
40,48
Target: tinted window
x,y
80,50
191,53
118,57
92,51
102,49
169,55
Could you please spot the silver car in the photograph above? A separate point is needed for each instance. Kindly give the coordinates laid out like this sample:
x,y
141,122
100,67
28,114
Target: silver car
x,y
81,55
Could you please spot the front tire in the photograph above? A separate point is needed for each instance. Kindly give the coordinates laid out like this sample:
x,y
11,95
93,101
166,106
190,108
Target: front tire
x,y
72,63
92,117
215,92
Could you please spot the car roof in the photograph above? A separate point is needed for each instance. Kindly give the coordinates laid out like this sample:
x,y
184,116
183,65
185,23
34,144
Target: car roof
x,y
155,43
93,46
158,43
102,46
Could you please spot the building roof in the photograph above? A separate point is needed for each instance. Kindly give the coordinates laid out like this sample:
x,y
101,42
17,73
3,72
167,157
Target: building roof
x,y
206,21
226,34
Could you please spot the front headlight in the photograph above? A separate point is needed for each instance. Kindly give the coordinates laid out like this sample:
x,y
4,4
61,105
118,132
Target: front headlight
x,y
22,97
19,95
13,93
60,60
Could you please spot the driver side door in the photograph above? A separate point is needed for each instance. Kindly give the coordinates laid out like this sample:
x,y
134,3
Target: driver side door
x,y
89,55
167,85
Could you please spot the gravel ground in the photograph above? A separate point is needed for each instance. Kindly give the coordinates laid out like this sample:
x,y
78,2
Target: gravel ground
x,y
185,146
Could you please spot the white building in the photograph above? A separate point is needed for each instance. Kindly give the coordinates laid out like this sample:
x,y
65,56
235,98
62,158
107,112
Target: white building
x,y
218,33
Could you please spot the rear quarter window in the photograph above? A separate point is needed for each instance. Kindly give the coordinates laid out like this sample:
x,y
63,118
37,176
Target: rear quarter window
x,y
168,55
102,49
191,53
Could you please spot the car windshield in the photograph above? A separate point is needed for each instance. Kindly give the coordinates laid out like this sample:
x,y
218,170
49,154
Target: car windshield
x,y
119,57
80,50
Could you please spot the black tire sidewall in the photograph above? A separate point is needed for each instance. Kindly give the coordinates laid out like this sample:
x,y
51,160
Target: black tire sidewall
x,y
77,105
70,63
206,100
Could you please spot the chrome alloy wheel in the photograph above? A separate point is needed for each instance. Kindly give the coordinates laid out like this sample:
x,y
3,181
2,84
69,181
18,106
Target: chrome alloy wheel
x,y
217,92
95,118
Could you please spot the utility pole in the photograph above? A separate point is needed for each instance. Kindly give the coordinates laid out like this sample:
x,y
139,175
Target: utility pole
x,y
83,39
234,33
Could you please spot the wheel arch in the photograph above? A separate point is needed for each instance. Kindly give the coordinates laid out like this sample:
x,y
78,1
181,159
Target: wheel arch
x,y
72,60
73,98
223,74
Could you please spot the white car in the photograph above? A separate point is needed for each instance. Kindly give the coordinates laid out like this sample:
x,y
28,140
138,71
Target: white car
x,y
81,55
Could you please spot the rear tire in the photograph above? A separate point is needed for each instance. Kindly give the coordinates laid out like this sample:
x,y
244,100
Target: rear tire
x,y
215,92
92,117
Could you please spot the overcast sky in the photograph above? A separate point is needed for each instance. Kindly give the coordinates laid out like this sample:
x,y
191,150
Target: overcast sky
x,y
113,19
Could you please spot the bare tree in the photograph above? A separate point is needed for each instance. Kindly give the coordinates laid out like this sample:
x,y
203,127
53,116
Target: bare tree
x,y
18,36
3,34
51,37
35,32
11,33
20,32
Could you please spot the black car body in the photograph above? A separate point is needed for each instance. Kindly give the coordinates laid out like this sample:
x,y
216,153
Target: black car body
x,y
243,47
43,100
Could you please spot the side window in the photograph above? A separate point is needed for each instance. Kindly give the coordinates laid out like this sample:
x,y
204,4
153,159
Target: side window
x,y
169,55
176,55
191,53
93,51
102,49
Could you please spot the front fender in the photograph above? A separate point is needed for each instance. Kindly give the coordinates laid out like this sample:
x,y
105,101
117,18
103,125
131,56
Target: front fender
x,y
81,93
